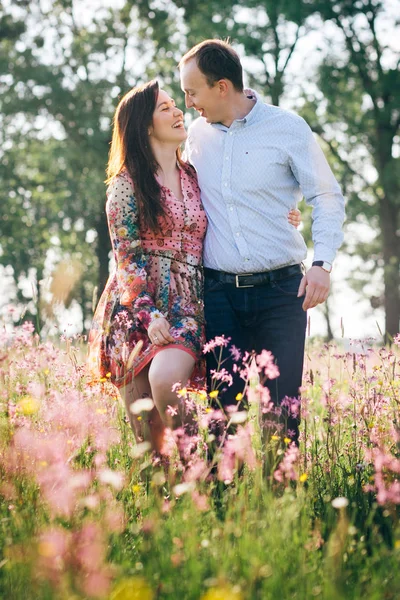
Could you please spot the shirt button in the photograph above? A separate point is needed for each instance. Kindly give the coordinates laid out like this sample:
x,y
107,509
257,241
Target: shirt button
x,y
231,133
238,233
231,207
225,184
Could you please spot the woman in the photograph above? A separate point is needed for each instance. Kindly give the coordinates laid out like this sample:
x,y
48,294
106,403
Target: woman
x,y
153,298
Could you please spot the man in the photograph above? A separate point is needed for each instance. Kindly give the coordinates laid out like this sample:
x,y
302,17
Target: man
x,y
254,163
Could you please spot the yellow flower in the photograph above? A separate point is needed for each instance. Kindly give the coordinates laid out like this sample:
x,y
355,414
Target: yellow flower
x,y
182,392
136,488
103,380
214,394
303,477
222,592
239,397
287,440
28,405
397,544
134,588
275,438
108,375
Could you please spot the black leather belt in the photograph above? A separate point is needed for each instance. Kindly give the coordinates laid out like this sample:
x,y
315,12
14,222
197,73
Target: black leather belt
x,y
243,280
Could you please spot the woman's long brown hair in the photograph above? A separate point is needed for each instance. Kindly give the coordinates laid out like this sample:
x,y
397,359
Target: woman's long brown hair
x,y
131,151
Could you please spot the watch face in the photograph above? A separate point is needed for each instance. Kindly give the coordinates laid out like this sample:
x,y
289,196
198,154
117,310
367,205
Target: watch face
x,y
327,267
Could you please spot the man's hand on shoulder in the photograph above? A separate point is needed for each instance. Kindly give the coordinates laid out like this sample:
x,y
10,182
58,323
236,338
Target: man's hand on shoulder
x,y
315,285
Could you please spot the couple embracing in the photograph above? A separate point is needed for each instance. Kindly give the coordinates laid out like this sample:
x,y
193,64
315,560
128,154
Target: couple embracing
x,y
207,245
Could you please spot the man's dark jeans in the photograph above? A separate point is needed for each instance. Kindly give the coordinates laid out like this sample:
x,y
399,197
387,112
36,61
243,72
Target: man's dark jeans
x,y
266,317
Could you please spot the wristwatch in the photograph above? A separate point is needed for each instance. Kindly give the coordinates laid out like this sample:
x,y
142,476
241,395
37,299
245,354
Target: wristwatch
x,y
326,266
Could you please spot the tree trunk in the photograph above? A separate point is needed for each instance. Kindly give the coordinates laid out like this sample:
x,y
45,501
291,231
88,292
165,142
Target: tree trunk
x,y
389,222
327,315
391,276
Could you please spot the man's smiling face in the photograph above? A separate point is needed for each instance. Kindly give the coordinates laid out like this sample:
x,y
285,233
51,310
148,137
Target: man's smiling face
x,y
199,94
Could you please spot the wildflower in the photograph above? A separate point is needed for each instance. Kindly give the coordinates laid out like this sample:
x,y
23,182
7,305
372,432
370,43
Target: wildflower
x,y
239,417
28,405
287,440
222,592
275,438
172,410
182,488
201,502
222,375
213,394
113,478
286,470
219,340
340,502
141,405
235,352
303,477
265,362
239,397
140,449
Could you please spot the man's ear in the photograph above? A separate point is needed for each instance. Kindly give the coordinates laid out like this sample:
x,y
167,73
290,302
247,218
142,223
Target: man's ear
x,y
223,87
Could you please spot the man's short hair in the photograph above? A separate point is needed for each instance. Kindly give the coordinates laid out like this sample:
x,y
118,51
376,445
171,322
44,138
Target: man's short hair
x,y
217,60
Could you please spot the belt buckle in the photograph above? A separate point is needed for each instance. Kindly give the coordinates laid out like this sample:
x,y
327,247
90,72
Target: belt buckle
x,y
238,282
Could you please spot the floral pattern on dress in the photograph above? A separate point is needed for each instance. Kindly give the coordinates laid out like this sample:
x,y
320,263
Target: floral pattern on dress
x,y
155,275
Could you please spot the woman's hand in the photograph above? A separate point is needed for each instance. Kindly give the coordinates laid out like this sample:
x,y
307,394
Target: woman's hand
x,y
294,217
158,332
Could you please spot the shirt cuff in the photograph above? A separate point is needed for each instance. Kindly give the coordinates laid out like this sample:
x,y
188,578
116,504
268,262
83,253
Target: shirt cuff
x,y
322,252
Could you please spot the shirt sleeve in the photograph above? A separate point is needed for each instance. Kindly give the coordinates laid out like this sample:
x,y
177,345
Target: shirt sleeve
x,y
135,289
320,190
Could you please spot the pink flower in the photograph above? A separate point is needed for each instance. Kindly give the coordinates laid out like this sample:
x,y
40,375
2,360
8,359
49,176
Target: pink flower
x,y
286,470
222,375
265,361
218,341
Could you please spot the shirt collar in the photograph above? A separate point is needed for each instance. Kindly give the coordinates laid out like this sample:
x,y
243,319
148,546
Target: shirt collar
x,y
251,116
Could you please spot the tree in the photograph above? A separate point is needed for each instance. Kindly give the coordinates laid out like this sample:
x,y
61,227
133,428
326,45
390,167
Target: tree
x,y
60,78
361,96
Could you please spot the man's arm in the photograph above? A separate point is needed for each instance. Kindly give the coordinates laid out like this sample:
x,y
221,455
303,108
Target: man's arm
x,y
322,192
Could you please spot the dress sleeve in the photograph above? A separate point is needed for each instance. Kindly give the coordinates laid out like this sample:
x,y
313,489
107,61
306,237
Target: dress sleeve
x,y
135,289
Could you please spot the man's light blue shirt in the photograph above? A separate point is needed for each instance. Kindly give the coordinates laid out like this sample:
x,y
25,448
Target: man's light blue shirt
x,y
251,174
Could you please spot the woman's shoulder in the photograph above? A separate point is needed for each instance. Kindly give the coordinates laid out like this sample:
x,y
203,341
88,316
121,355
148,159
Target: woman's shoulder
x,y
120,184
189,170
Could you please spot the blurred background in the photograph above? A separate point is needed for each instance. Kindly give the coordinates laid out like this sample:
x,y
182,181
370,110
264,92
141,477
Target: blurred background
x,y
63,66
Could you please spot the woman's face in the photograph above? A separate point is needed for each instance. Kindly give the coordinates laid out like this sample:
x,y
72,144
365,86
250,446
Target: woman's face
x,y
167,126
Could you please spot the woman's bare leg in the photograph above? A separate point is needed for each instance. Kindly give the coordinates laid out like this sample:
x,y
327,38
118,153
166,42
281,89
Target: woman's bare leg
x,y
148,426
168,367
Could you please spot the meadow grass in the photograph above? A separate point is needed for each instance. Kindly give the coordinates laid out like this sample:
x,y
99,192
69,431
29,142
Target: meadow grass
x,y
86,513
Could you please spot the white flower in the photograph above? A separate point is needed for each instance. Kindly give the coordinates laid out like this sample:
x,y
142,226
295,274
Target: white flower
x,y
141,405
113,478
239,417
340,502
182,488
140,449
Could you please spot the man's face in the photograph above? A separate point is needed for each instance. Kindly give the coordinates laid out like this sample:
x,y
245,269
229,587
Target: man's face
x,y
198,94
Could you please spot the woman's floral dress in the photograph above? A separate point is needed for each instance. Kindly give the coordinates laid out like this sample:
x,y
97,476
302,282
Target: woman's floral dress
x,y
155,275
